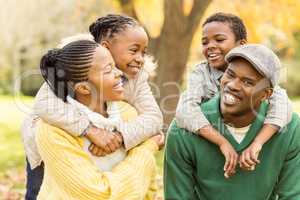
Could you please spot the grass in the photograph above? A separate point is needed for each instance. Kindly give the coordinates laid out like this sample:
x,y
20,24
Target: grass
x,y
12,159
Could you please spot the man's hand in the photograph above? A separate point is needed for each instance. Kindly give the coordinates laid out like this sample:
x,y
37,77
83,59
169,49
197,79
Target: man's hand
x,y
249,157
231,158
103,142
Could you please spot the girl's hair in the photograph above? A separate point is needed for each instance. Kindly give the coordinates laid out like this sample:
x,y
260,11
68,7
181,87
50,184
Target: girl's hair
x,y
106,27
61,68
236,24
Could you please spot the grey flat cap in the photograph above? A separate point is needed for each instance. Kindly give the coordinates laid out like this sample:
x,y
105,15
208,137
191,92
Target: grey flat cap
x,y
263,59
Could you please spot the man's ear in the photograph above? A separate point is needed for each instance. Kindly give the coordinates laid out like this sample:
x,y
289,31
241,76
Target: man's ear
x,y
105,44
82,88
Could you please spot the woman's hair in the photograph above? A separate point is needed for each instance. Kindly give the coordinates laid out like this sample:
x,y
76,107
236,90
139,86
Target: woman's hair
x,y
61,68
106,27
236,24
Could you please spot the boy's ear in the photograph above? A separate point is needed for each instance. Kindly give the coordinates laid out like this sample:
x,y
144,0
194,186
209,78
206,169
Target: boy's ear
x,y
82,88
105,44
268,93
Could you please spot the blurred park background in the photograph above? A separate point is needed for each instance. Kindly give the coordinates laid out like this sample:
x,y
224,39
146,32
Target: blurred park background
x,y
29,28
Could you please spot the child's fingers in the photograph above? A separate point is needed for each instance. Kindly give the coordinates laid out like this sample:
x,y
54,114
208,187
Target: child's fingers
x,y
226,165
254,157
243,163
248,159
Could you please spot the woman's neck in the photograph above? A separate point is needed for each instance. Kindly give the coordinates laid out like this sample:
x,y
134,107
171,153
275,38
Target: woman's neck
x,y
96,105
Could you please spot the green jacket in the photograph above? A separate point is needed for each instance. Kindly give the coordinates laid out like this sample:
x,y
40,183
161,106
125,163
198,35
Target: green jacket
x,y
193,167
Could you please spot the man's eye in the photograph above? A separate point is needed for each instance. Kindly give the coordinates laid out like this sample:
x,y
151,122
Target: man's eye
x,y
248,83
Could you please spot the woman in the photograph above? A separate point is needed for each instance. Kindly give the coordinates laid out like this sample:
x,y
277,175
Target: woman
x,y
85,71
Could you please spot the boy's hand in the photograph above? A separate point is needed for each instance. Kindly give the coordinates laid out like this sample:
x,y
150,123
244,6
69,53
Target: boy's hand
x,y
249,157
231,158
107,141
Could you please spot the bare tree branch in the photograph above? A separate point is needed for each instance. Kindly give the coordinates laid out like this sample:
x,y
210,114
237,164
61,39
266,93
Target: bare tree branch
x,y
193,19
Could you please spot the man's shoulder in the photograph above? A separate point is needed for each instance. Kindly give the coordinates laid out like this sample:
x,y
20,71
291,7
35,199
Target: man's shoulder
x,y
293,126
175,132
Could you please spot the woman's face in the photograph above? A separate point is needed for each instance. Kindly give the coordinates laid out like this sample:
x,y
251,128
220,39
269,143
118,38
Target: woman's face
x,y
104,77
128,49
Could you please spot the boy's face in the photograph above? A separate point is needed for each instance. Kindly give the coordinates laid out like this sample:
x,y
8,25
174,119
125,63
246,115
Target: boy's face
x,y
242,88
217,40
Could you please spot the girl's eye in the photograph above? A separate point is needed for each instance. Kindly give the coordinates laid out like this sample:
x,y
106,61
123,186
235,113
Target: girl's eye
x,y
220,40
204,43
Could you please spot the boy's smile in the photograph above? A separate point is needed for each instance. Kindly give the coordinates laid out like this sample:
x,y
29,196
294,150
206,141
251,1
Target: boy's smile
x,y
217,40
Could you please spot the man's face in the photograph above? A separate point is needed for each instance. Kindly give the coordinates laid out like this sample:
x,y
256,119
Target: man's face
x,y
243,88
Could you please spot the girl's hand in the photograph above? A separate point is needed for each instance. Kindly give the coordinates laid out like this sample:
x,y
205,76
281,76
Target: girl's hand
x,y
249,158
104,141
231,158
159,139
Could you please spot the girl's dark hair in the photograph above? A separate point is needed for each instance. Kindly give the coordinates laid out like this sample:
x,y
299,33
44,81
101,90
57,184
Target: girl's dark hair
x,y
106,27
236,24
61,68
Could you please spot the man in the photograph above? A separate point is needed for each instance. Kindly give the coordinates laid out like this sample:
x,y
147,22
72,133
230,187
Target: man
x,y
194,166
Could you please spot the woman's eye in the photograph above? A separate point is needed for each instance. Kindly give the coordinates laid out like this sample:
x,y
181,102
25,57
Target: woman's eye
x,y
133,50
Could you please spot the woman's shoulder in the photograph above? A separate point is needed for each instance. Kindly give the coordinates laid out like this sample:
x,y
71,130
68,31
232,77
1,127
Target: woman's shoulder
x,y
47,133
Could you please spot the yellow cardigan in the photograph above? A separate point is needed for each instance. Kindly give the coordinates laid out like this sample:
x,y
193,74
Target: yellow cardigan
x,y
70,174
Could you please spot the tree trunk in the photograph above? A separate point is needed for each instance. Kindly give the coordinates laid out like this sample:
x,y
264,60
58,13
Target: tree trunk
x,y
171,49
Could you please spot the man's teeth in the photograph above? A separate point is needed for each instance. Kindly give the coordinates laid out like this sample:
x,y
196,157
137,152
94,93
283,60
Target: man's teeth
x,y
230,99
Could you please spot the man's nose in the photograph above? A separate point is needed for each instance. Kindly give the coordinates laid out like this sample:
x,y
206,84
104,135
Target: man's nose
x,y
234,85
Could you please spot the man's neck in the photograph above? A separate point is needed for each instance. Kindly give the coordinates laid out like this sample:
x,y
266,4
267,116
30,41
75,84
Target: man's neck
x,y
239,121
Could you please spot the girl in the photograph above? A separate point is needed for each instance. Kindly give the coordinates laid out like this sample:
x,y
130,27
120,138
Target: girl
x,y
221,33
83,72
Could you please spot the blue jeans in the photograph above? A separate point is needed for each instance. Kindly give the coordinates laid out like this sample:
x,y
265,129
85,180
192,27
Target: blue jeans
x,y
34,181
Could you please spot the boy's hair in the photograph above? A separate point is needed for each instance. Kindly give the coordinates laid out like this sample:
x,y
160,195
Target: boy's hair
x,y
106,27
236,24
61,68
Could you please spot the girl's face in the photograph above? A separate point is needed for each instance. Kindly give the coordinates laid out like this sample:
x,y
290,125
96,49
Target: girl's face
x,y
128,49
104,77
217,40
